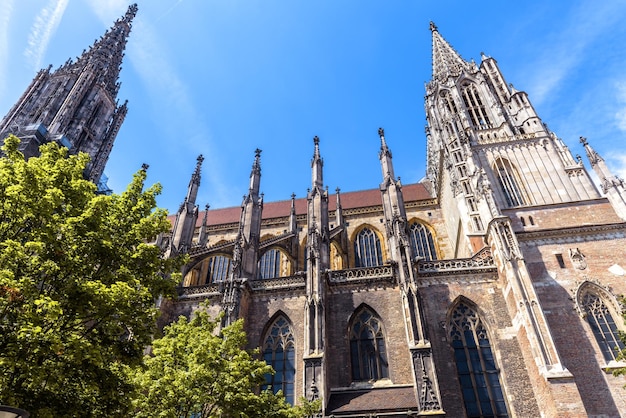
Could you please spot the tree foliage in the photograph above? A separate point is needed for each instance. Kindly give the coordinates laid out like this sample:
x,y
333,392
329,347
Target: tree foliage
x,y
77,284
197,372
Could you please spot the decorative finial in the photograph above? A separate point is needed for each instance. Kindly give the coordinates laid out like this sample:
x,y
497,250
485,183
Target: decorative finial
x,y
200,159
206,207
583,140
131,12
316,140
257,153
144,167
433,27
381,132
293,196
337,190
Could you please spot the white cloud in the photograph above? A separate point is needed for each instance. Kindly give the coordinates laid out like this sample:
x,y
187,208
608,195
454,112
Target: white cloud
x,y
618,165
5,15
44,27
567,49
620,115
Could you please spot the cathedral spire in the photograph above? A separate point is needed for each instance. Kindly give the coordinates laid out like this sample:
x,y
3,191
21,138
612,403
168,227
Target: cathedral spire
x,y
204,237
385,158
316,165
446,61
255,174
185,223
106,53
613,186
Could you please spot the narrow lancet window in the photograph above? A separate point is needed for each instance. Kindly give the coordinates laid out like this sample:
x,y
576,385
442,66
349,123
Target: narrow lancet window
x,y
603,324
279,352
367,347
422,242
478,372
367,249
510,183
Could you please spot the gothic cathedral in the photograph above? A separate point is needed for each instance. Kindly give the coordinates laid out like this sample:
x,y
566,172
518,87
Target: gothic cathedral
x,y
490,289
76,104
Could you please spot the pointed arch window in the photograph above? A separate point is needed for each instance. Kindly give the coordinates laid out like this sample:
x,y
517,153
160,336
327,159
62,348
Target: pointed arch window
x,y
368,355
422,242
601,319
510,183
274,263
220,267
478,373
280,353
475,108
367,249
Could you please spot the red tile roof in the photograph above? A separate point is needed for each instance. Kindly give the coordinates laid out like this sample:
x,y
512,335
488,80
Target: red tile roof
x,y
282,208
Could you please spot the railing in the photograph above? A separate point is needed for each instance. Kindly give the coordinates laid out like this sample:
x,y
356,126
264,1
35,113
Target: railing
x,y
287,282
197,291
361,273
482,260
274,240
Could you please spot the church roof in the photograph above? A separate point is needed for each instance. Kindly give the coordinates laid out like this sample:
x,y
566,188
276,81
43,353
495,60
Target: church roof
x,y
379,400
349,200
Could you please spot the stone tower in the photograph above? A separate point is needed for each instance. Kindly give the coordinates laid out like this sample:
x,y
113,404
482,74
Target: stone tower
x,y
76,104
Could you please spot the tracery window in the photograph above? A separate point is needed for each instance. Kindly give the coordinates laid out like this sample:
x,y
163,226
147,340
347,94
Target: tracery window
x,y
422,242
368,355
274,263
478,372
367,249
602,323
475,107
280,353
510,183
220,267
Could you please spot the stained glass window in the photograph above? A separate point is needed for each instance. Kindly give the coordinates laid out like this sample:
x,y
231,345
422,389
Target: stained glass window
x,y
367,347
603,325
280,353
478,372
367,249
422,242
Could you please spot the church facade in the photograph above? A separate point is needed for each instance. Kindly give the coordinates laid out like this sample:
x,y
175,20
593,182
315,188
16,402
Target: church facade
x,y
489,289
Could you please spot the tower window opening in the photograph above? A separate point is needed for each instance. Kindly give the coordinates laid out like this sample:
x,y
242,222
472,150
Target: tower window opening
x,y
475,108
522,220
510,184
530,219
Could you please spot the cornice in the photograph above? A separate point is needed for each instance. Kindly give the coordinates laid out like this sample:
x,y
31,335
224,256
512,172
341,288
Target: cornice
x,y
574,234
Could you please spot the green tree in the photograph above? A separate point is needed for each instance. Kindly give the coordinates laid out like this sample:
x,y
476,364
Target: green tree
x,y
77,284
194,371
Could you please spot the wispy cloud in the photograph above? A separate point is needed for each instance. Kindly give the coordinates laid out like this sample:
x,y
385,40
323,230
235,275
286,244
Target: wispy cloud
x,y
562,52
177,113
5,15
620,115
42,30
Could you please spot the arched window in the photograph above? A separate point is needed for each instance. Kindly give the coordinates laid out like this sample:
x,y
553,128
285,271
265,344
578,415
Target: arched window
x,y
510,183
476,365
280,353
367,347
220,268
475,108
367,250
422,242
601,319
274,263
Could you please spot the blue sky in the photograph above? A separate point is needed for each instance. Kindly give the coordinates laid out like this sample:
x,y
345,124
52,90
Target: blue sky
x,y
221,78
